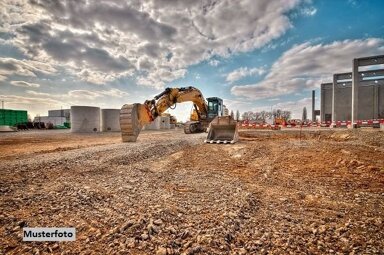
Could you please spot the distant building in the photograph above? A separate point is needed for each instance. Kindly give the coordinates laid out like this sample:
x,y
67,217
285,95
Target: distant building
x,y
49,119
60,113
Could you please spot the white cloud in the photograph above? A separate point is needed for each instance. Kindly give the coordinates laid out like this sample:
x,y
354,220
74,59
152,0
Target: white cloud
x,y
27,68
25,84
114,93
233,104
214,62
32,104
35,93
83,94
38,102
309,11
158,78
244,72
306,66
105,40
295,107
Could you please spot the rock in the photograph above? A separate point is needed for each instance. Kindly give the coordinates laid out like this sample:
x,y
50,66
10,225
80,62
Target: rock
x,y
344,136
161,251
301,195
144,237
158,222
242,251
193,250
373,168
172,230
130,243
185,234
152,229
126,225
322,229
345,152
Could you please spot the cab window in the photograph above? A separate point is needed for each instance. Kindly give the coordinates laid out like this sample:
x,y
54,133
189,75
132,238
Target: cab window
x,y
212,106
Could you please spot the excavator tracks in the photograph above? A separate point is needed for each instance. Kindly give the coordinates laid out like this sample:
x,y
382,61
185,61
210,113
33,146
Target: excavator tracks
x,y
129,122
192,127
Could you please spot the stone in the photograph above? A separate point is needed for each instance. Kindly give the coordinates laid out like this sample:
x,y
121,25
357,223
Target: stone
x,y
144,237
158,222
161,251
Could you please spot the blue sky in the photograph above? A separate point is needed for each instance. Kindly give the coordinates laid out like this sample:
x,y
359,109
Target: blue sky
x,y
256,55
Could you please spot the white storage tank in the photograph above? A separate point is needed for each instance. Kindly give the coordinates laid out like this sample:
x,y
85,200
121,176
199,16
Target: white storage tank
x,y
85,119
154,125
110,120
165,122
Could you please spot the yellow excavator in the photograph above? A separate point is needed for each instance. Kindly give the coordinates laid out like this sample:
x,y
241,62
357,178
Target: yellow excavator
x,y
222,129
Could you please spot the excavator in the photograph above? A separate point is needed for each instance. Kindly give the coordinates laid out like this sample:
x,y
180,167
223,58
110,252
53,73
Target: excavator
x,y
208,115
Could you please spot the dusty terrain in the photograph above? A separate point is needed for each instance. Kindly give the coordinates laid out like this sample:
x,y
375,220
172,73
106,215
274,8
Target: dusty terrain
x,y
321,192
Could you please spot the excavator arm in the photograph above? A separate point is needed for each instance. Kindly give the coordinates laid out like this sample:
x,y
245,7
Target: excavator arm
x,y
134,116
171,96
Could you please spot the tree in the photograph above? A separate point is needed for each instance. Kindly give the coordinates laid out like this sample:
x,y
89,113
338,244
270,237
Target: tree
x,y
232,116
286,115
245,116
304,118
237,115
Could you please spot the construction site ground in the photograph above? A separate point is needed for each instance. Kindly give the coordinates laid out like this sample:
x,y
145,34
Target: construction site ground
x,y
274,192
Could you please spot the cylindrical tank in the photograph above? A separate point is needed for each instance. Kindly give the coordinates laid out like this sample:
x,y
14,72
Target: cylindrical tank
x,y
154,125
165,122
110,120
85,119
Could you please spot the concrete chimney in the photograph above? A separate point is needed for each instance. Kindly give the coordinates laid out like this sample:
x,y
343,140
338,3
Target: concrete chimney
x,y
313,106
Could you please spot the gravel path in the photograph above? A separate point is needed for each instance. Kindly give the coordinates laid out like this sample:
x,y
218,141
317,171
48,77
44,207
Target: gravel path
x,y
163,195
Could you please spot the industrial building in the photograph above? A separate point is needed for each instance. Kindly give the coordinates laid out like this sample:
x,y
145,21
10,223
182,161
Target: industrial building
x,y
60,113
10,117
355,96
55,121
55,117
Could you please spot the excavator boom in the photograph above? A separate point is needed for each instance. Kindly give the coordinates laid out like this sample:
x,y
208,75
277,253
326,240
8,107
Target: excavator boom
x,y
134,116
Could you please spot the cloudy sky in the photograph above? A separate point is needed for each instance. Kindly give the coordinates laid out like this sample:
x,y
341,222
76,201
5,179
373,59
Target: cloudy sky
x,y
256,55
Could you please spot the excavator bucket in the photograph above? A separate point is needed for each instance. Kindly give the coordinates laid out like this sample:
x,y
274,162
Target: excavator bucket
x,y
132,117
222,129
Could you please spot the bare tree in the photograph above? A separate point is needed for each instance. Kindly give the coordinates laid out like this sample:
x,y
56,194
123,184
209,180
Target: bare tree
x,y
245,116
237,115
277,113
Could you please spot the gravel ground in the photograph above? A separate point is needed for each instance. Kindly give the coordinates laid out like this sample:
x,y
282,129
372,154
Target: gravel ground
x,y
271,193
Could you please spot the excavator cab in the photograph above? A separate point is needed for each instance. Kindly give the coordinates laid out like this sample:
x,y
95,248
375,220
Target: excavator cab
x,y
215,107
